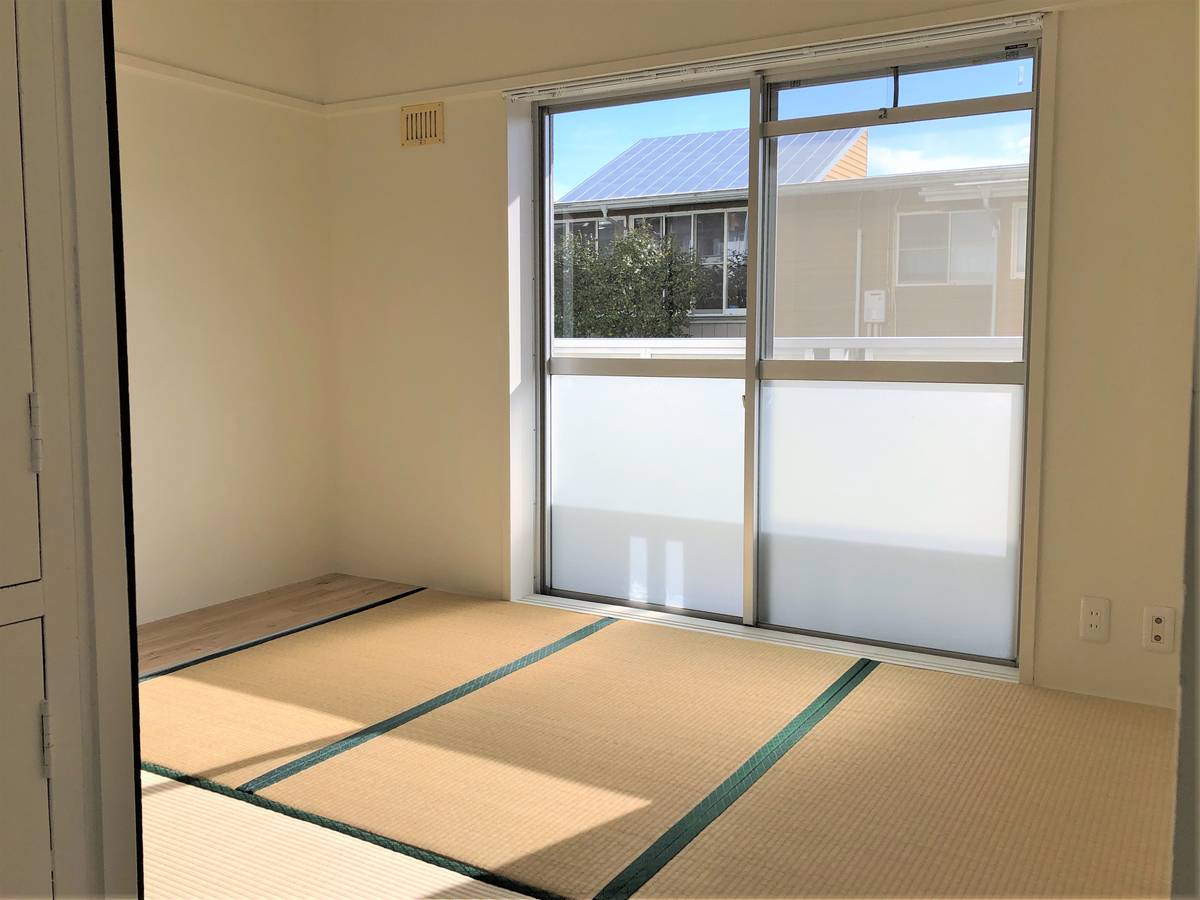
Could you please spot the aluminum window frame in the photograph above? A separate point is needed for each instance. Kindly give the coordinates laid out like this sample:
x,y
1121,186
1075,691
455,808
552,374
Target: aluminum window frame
x,y
754,368
981,52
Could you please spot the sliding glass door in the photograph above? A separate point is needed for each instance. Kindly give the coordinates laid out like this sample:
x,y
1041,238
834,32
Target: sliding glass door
x,y
646,327
785,356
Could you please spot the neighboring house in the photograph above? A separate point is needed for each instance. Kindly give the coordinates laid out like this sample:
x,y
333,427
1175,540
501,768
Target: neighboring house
x,y
935,254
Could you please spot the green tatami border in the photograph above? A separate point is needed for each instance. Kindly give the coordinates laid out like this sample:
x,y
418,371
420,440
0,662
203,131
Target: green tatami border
x,y
626,883
655,857
308,760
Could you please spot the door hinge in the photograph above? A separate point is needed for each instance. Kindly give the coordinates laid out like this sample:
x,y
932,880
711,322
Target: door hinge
x,y
47,738
35,434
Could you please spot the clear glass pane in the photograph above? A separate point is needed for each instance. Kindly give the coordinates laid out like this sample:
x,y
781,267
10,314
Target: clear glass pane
x,y
924,231
884,240
891,512
631,292
973,237
646,489
737,233
711,294
1011,76
584,231
735,260
834,97
679,229
652,224
916,267
608,230
710,247
710,236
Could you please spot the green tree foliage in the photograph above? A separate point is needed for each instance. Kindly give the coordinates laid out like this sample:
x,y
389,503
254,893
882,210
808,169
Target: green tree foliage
x,y
637,286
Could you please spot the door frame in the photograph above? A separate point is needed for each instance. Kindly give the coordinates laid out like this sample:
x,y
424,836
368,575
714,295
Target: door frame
x,y
65,65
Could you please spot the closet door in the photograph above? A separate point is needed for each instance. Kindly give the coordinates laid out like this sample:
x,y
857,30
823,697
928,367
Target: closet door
x,y
25,822
19,549
25,861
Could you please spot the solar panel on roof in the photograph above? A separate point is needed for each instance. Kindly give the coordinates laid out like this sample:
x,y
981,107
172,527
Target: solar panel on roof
x,y
707,161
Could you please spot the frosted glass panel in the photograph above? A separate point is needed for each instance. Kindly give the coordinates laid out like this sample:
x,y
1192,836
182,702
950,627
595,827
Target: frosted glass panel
x,y
891,512
646,489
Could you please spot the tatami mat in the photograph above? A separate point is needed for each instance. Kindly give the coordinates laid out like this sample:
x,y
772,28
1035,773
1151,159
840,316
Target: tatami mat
x,y
578,762
237,716
201,846
560,774
925,784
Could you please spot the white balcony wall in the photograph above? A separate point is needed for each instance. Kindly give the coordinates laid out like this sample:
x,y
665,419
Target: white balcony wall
x,y
892,511
646,490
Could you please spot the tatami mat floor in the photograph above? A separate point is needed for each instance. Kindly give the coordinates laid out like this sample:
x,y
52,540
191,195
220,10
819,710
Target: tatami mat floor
x,y
201,846
562,754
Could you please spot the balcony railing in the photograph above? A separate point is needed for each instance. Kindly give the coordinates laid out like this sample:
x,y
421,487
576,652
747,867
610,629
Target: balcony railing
x,y
984,349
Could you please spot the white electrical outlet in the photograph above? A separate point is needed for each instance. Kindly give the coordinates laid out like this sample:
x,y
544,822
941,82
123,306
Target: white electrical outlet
x,y
1093,618
1158,629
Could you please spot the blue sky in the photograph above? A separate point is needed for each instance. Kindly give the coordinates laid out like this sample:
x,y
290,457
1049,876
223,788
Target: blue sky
x,y
587,139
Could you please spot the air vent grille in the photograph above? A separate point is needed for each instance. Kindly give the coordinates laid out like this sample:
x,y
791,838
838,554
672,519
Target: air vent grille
x,y
424,124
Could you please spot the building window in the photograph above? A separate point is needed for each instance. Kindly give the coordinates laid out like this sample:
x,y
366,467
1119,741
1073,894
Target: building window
x,y
585,230
679,229
654,223
1020,239
718,238
946,247
600,232
735,259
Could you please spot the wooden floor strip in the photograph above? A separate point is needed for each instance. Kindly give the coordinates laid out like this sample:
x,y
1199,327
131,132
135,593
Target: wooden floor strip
x,y
167,642
325,620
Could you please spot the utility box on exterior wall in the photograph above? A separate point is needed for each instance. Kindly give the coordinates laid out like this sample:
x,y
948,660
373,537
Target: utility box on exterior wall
x,y
874,306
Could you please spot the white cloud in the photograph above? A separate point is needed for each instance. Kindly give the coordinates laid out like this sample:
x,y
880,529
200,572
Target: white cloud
x,y
903,160
948,145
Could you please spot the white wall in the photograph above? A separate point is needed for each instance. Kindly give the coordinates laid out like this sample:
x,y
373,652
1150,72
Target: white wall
x,y
1122,295
419,269
1119,333
418,243
230,353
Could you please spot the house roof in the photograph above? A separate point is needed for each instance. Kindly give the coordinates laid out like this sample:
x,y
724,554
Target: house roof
x,y
707,161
